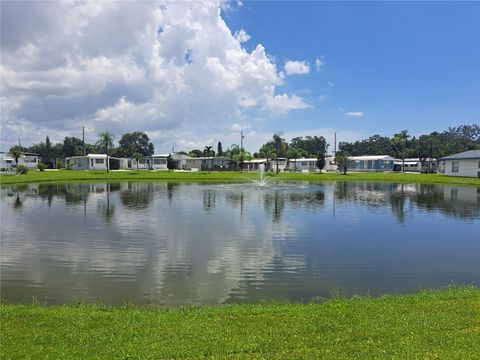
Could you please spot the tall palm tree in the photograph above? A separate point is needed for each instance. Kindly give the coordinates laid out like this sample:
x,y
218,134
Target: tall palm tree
x,y
400,140
105,142
278,142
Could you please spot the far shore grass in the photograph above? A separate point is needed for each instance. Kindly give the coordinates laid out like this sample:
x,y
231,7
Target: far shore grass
x,y
229,176
427,325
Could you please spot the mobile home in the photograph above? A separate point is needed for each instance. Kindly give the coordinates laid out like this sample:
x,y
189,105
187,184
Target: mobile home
x,y
465,164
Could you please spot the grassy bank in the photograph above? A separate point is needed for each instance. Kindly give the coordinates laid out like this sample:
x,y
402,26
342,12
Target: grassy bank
x,y
66,175
427,325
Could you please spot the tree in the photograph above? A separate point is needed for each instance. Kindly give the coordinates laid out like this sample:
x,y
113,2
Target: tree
x,y
400,141
208,152
294,153
16,153
320,161
105,142
219,149
195,153
72,146
135,143
170,162
280,146
341,159
310,145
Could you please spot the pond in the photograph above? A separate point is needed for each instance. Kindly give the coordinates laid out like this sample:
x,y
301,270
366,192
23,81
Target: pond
x,y
199,243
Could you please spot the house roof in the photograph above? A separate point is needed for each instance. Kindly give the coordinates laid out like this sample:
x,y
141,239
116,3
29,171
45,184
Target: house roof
x,y
470,154
371,157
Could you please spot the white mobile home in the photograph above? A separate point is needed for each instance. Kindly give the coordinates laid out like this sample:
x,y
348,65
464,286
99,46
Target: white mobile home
x,y
371,163
7,161
303,165
205,163
88,162
282,164
255,165
157,162
466,164
427,165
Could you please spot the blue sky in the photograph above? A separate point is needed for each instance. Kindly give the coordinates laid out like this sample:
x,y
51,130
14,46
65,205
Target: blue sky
x,y
190,74
405,65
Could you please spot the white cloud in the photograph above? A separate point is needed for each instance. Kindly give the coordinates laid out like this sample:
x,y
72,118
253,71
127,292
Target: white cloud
x,y
354,113
320,62
159,67
241,36
331,84
282,104
296,68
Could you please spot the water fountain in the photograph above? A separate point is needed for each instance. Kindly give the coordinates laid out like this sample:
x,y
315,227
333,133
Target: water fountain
x,y
263,181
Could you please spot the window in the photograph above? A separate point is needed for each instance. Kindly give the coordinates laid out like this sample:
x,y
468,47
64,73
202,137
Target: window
x,y
159,161
455,166
98,161
9,161
479,164
304,163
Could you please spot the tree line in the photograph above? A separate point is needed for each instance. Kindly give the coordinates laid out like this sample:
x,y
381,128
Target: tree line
x,y
403,145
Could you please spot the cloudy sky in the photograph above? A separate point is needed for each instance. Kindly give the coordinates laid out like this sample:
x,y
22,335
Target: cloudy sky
x,y
191,74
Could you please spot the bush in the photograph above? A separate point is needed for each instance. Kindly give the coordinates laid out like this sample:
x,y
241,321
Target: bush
x,y
59,164
22,169
41,166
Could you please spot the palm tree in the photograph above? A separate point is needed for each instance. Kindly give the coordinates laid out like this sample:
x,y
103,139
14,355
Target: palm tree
x,y
400,140
207,152
294,153
16,153
105,141
278,142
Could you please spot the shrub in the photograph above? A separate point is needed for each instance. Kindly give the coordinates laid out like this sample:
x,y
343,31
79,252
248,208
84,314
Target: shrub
x,y
41,166
22,169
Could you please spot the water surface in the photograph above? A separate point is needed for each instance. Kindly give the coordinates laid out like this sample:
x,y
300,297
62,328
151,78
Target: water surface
x,y
174,243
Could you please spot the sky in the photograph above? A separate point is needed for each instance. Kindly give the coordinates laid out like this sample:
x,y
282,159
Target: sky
x,y
190,74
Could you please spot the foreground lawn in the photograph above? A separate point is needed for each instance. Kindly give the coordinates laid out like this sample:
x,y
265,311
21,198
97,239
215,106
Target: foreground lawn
x,y
427,325
70,175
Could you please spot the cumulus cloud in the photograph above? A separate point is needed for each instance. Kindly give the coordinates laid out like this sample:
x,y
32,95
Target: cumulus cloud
x,y
172,69
296,68
354,113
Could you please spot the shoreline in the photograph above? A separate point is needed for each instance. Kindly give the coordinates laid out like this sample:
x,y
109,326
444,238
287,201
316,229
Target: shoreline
x,y
428,324
144,175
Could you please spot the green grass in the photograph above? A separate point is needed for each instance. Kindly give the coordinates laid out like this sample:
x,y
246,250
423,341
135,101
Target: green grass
x,y
427,325
67,175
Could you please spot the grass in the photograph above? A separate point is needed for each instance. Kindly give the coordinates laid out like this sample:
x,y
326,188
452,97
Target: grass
x,y
69,175
427,325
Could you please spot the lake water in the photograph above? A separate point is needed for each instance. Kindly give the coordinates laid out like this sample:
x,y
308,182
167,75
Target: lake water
x,y
179,243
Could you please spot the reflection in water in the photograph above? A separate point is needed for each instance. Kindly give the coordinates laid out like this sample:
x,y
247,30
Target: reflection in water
x,y
174,243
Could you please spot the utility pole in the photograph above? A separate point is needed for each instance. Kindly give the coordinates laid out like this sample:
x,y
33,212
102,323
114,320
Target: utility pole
x,y
83,140
335,145
19,145
241,150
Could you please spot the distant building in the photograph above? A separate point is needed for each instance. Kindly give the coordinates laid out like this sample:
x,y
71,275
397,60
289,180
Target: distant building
x,y
157,162
255,165
371,163
206,163
427,165
87,162
465,164
7,161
